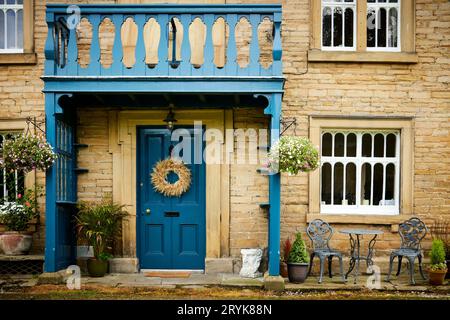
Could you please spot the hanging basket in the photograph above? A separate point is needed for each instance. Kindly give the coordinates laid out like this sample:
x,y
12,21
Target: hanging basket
x,y
292,155
161,172
27,152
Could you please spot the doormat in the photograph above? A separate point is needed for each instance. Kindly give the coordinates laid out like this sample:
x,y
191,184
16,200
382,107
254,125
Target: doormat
x,y
168,274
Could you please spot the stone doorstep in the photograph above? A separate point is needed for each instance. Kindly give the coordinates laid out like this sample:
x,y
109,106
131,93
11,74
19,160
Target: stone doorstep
x,y
235,281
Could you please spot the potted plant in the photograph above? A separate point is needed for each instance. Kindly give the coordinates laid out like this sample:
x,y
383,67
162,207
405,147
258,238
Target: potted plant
x,y
16,216
298,261
287,245
99,224
441,230
438,267
292,155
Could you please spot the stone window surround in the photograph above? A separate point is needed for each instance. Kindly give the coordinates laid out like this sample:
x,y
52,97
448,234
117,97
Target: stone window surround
x,y
28,56
406,126
407,28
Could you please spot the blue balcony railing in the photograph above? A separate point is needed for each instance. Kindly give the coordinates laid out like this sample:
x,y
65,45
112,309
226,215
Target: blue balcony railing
x,y
164,40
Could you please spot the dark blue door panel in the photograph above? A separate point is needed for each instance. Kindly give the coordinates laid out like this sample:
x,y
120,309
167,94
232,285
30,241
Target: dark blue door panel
x,y
172,235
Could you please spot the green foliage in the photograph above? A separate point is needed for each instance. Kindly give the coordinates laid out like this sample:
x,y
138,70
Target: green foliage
x,y
293,155
437,254
298,253
17,215
438,267
99,224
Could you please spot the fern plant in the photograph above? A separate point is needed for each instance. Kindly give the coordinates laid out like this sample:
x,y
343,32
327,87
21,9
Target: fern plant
x,y
99,224
298,253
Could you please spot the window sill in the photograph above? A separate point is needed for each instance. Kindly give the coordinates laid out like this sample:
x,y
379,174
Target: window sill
x,y
18,58
358,219
316,55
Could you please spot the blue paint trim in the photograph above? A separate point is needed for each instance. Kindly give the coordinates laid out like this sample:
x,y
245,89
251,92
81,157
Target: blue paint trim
x,y
167,8
50,194
274,109
59,253
175,85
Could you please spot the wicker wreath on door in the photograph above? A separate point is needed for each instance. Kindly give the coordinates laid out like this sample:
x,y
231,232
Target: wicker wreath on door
x,y
159,178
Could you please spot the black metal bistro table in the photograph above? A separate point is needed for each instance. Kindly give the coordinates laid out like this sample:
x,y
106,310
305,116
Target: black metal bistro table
x,y
355,247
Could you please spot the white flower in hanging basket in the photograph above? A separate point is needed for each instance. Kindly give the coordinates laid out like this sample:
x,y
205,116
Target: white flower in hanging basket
x,y
27,152
293,154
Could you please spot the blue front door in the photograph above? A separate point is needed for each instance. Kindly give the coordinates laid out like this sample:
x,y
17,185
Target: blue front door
x,y
171,230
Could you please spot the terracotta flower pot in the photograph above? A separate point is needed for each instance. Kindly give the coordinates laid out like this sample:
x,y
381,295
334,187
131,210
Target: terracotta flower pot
x,y
14,243
437,277
97,268
297,272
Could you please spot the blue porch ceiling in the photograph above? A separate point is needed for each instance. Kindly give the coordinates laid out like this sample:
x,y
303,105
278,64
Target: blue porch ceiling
x,y
163,100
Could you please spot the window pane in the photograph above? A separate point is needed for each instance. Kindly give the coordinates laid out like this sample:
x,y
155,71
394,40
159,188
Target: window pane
x,y
326,27
20,29
337,34
377,184
389,194
326,183
381,32
338,183
348,27
391,140
326,144
2,30
367,145
11,29
366,183
371,28
339,145
350,184
351,145
379,145
393,28
10,1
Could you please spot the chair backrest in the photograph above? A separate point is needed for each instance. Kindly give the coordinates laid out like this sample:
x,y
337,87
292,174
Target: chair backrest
x,y
412,231
320,233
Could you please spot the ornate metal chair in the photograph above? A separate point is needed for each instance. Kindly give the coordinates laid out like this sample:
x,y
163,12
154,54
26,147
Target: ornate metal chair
x,y
320,233
412,232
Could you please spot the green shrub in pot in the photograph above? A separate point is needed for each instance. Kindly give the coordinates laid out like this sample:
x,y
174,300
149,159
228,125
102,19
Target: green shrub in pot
x,y
298,260
438,267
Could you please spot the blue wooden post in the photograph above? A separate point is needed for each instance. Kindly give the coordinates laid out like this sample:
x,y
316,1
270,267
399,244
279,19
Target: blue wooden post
x,y
274,110
50,191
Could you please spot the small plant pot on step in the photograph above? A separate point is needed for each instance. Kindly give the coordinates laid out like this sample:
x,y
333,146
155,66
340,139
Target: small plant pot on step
x,y
97,268
14,243
297,272
437,277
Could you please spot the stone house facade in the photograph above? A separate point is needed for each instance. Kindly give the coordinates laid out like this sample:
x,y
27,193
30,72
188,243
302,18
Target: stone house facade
x,y
377,105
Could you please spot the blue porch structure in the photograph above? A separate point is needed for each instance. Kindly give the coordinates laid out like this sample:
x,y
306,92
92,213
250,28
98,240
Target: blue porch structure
x,y
67,84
